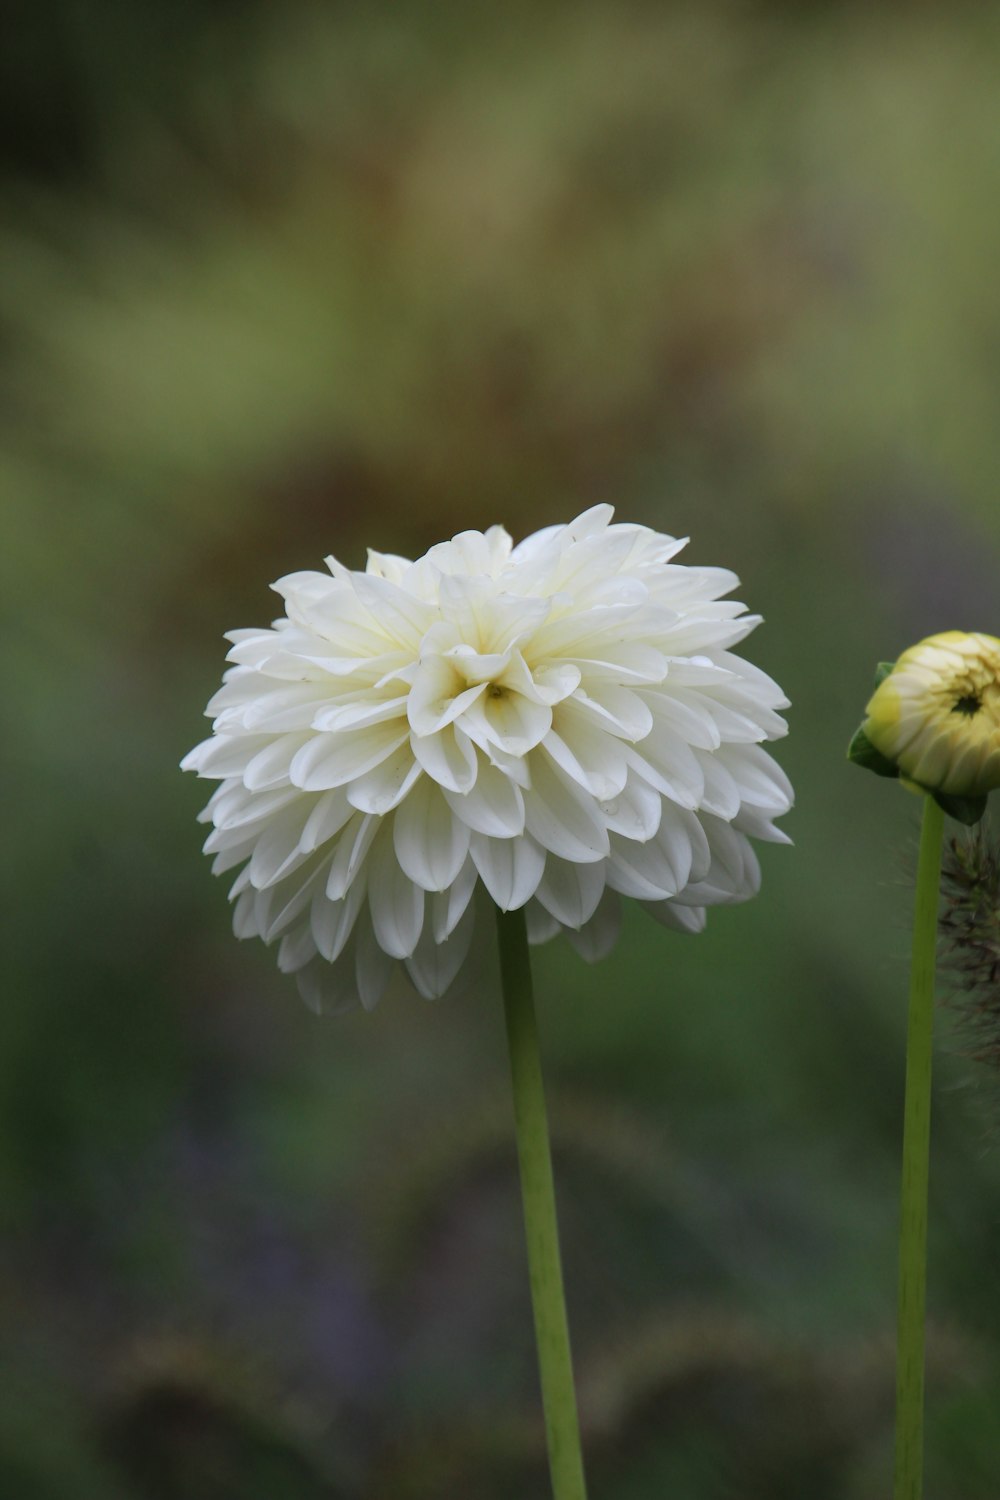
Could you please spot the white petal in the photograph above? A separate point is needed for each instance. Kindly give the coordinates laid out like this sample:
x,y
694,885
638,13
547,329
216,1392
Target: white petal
x,y
751,821
245,916
692,635
240,884
477,667
269,708
330,760
290,709
387,565
382,789
550,538
669,765
439,695
332,922
597,937
693,585
507,720
542,925
497,621
623,663
699,671
373,966
361,713
761,781
270,767
735,871
571,892
617,710
239,843
277,850
563,818
290,654
397,612
679,918
682,713
302,588
224,755
576,633
510,868
395,901
328,989
447,908
434,966
472,552
449,757
595,561
732,725
328,816
514,767
431,842
233,808
278,906
731,852
494,806
351,851
721,795
352,673
587,753
661,867
764,688
590,522
296,949
767,725
701,852
555,681
229,857
635,813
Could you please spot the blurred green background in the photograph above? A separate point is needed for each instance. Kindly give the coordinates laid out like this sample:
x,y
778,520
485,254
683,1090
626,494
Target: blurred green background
x,y
280,281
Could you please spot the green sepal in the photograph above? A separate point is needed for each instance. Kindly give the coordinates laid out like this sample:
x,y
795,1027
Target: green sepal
x,y
882,671
967,810
863,753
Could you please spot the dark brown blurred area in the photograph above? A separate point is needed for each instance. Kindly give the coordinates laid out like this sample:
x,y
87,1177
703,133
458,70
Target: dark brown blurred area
x,y
277,282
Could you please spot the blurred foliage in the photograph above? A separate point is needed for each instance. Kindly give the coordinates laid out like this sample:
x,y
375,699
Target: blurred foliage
x,y
276,281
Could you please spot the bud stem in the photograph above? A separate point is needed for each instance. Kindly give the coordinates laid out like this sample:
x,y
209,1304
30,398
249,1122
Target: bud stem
x,y
916,1160
562,1428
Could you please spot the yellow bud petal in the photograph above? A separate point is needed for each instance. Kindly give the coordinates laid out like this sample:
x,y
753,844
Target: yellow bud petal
x,y
937,714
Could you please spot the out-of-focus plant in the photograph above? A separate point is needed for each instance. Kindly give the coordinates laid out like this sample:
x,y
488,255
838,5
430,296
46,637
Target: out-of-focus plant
x,y
970,926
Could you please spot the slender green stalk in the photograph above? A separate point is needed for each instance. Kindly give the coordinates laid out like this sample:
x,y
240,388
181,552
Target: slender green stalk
x,y
916,1160
562,1426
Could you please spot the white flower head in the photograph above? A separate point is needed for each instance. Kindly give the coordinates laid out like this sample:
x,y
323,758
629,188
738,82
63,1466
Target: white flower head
x,y
555,724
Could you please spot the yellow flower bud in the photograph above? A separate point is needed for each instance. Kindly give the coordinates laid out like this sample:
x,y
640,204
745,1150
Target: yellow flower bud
x,y
935,716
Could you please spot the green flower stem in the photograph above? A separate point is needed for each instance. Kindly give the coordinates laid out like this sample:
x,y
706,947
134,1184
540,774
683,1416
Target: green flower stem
x,y
562,1426
916,1159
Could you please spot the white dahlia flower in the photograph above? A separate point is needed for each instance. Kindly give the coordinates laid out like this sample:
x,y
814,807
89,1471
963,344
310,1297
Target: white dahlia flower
x,y
553,725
